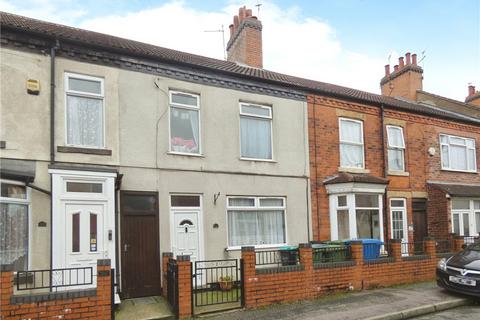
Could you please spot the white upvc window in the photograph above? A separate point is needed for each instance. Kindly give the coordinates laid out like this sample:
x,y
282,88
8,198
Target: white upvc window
x,y
458,153
356,216
185,131
398,219
465,216
256,221
85,114
14,224
351,143
396,148
255,132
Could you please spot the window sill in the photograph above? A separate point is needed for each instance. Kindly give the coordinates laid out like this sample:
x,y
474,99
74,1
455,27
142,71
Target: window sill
x,y
263,246
198,155
258,160
100,152
459,171
353,170
398,173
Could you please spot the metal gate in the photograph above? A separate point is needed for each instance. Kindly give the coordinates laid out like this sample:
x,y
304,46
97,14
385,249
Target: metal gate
x,y
172,285
217,285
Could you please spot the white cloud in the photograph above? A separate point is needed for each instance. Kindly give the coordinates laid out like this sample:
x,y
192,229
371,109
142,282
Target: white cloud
x,y
292,44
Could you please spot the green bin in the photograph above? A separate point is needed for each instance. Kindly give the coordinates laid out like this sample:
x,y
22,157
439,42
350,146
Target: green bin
x,y
288,255
330,251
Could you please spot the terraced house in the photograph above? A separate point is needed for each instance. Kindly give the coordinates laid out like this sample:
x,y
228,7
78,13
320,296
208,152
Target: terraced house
x,y
112,148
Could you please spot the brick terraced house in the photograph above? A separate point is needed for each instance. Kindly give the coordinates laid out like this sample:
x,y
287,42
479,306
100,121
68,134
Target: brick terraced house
x,y
112,148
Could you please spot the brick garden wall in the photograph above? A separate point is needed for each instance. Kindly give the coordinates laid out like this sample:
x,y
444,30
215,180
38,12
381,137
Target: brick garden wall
x,y
92,303
309,280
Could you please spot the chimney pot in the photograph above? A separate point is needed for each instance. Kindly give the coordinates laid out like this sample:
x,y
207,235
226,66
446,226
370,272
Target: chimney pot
x,y
395,68
248,13
241,13
401,62
471,90
387,70
235,23
414,59
407,57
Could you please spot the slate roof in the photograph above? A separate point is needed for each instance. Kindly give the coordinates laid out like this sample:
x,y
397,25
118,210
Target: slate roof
x,y
458,190
345,177
140,49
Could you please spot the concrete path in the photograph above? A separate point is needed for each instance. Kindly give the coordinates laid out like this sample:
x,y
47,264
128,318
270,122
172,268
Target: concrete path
x,y
147,308
462,313
387,304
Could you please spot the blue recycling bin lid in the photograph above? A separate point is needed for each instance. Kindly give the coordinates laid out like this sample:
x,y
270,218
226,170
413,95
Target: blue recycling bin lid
x,y
366,241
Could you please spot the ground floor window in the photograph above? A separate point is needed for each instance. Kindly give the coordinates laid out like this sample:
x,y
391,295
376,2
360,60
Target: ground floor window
x,y
14,204
256,221
465,216
356,216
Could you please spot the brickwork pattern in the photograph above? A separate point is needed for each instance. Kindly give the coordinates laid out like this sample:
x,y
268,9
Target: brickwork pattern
x,y
420,132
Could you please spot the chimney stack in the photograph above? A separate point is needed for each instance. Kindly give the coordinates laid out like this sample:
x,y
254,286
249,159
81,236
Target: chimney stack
x,y
245,44
405,80
473,96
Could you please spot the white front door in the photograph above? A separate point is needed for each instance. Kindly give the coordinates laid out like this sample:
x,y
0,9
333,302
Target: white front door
x,y
398,220
85,238
186,239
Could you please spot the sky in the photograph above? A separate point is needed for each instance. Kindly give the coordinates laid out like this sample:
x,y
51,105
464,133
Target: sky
x,y
345,42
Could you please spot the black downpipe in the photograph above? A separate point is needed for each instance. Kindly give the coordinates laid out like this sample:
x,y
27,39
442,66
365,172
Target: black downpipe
x,y
53,51
385,175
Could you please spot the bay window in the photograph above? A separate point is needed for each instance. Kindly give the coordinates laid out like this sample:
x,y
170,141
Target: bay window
x,y
255,131
351,143
84,111
457,153
184,123
256,221
14,206
396,148
465,216
356,216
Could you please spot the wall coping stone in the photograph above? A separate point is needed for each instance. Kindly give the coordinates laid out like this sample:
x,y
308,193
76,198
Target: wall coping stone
x,y
167,254
414,258
104,262
50,296
380,260
6,267
183,258
248,248
338,264
280,269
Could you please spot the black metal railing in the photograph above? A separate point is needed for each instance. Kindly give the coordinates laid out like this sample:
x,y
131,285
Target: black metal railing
x,y
330,254
444,246
276,258
172,284
470,239
413,248
54,279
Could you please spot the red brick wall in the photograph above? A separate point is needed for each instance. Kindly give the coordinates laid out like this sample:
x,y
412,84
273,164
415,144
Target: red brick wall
x,y
421,133
438,213
97,306
262,289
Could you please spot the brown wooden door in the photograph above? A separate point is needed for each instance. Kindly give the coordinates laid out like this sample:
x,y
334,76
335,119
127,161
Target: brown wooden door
x,y
140,248
419,219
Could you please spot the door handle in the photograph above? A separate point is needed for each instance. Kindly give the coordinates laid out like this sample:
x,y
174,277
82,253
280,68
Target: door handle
x,y
125,247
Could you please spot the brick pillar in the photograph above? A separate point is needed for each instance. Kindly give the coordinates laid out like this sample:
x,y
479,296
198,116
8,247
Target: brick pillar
x,y
6,289
458,243
306,260
104,289
166,256
429,246
452,240
249,276
184,287
357,257
396,248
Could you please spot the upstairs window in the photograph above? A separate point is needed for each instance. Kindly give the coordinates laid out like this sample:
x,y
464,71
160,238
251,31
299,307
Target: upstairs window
x,y
84,111
184,123
351,143
396,148
458,153
256,131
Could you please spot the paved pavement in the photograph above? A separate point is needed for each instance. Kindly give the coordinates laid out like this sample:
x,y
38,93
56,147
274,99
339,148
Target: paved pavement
x,y
461,313
355,306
